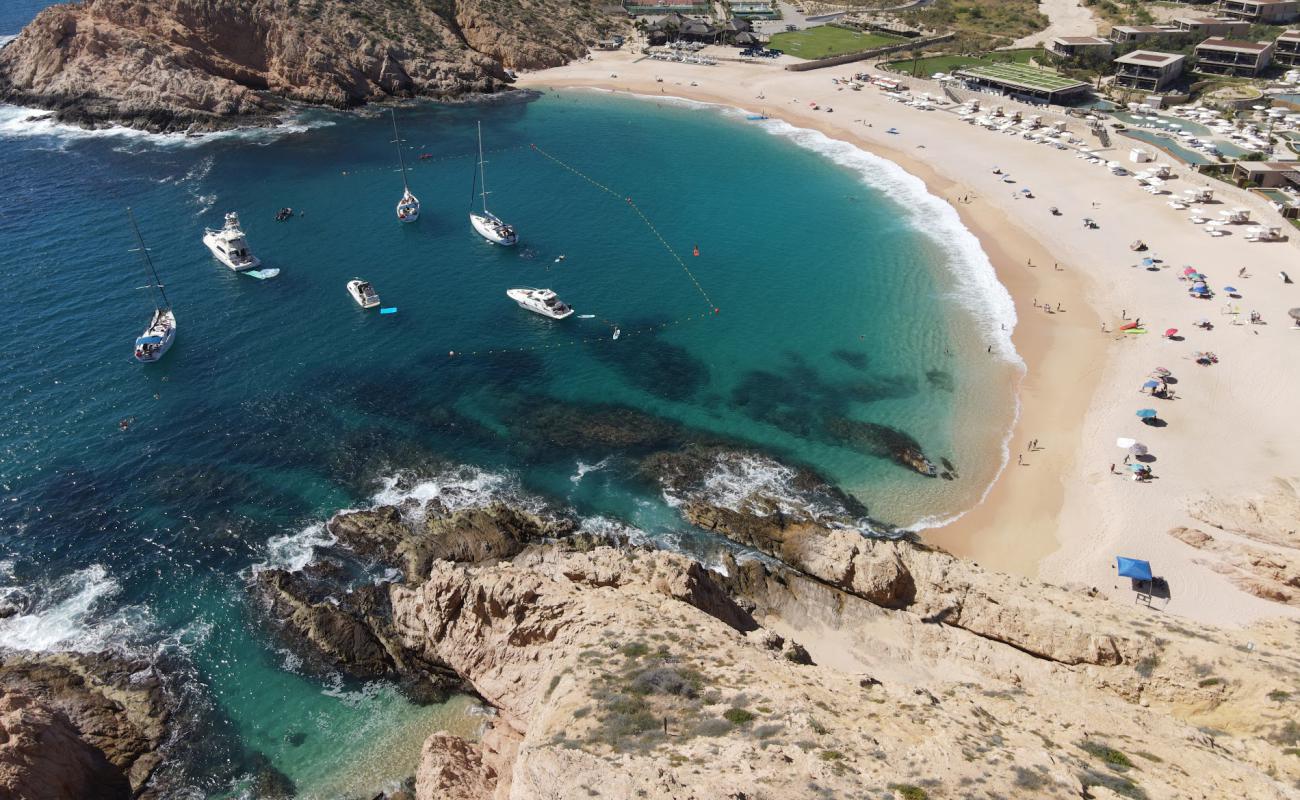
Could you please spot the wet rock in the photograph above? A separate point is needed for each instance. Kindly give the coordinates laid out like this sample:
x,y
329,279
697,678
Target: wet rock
x,y
469,535
13,601
453,769
268,782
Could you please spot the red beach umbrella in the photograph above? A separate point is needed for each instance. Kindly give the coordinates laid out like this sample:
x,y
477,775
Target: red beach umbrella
x,y
1171,332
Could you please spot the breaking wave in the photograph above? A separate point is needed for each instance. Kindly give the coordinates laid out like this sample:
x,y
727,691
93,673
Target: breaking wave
x,y
73,613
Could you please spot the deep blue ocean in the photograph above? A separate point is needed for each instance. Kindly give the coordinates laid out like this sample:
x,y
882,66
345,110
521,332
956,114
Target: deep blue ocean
x,y
137,500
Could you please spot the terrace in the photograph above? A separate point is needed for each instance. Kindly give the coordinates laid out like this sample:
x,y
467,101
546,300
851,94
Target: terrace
x,y
1232,57
1020,80
1286,49
1261,12
1148,71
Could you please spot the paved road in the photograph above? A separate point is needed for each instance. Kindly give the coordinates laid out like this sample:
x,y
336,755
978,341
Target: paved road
x,y
1067,18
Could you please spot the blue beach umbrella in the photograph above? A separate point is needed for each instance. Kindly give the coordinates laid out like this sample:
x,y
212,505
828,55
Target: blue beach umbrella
x,y
1146,413
1147,262
1230,289
1137,467
1150,384
1133,568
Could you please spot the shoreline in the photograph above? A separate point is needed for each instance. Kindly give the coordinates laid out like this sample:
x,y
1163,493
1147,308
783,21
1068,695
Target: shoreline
x,y
1002,501
1059,516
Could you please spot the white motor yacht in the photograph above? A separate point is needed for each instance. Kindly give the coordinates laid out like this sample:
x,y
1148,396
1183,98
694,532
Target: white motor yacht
x,y
229,245
363,293
540,301
489,225
161,332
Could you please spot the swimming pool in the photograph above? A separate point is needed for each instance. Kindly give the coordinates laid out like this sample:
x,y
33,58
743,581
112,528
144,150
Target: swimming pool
x,y
1165,123
1168,145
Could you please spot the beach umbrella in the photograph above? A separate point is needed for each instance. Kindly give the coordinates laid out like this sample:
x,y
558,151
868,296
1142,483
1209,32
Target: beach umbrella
x,y
1133,568
1150,384
1147,262
1230,289
1138,449
1137,467
1295,314
1024,191
1162,372
1125,443
1189,271
1171,332
1147,413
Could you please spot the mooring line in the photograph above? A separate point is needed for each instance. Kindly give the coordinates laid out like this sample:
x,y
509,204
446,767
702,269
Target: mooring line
x,y
681,263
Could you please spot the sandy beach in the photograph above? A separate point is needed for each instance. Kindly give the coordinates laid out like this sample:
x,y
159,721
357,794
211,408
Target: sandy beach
x,y
1057,511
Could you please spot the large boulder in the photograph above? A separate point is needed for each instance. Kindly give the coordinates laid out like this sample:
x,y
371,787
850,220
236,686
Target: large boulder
x,y
43,756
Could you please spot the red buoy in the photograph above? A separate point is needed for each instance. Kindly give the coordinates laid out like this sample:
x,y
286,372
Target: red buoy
x,y
697,249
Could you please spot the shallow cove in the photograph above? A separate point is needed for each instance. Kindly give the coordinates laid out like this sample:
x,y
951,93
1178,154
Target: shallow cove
x,y
844,293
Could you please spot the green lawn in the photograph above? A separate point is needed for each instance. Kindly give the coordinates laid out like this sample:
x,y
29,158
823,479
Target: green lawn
x,y
925,67
828,40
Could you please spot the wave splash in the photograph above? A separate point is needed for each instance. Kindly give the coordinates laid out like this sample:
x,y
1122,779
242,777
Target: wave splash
x,y
71,613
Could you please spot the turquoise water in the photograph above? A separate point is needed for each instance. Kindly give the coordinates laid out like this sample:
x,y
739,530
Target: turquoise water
x,y
842,293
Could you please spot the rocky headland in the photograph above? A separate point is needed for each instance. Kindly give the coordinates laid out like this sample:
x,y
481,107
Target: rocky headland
x,y
811,661
192,65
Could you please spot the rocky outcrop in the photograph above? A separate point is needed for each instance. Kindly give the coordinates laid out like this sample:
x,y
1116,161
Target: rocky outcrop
x,y
453,769
1252,539
470,534
935,586
194,65
80,725
609,681
43,756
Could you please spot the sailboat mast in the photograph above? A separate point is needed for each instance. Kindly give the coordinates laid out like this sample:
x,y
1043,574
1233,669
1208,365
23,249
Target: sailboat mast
x,y
398,141
152,273
482,173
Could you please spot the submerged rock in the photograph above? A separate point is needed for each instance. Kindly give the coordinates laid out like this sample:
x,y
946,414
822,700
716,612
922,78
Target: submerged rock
x,y
881,441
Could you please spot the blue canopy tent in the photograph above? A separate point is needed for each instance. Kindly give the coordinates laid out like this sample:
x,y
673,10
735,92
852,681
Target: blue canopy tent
x,y
1150,384
1133,568
1146,413
149,340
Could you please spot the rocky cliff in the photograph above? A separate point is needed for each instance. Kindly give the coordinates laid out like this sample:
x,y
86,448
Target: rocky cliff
x,y
196,65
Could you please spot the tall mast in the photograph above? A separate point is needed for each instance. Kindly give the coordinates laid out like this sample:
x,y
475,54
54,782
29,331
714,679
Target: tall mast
x,y
152,273
482,173
398,141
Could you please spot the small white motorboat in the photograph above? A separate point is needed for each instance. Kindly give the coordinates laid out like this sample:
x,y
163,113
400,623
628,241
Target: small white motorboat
x,y
161,332
229,245
489,225
363,293
540,301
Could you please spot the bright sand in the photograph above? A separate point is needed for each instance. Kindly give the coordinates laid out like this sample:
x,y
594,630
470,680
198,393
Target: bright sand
x,y
1062,515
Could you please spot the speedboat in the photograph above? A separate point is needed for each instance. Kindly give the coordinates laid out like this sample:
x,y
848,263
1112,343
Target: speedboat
x,y
229,246
363,293
157,338
489,225
540,301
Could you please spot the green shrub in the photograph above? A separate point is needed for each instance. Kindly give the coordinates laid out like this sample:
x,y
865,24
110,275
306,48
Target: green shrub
x,y
908,791
1107,755
1210,682
738,716
830,755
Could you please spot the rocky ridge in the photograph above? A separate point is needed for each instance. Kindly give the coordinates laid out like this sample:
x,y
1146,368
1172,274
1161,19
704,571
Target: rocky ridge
x,y
192,65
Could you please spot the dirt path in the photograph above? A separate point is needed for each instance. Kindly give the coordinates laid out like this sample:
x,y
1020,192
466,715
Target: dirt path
x,y
1067,18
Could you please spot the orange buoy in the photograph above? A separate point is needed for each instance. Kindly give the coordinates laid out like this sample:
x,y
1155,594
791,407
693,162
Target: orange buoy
x,y
697,249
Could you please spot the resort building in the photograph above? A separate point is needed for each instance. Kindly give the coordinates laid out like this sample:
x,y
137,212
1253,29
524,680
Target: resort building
x,y
1217,56
1211,26
656,7
1071,46
1148,71
1261,12
1023,82
1268,174
1286,50
753,10
1130,34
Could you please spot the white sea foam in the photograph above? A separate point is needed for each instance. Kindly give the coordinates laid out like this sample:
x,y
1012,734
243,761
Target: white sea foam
x,y
584,468
67,614
23,122
294,551
604,526
455,489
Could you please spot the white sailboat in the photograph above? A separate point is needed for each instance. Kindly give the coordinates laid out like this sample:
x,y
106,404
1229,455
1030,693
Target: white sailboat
x,y
489,225
229,245
363,293
161,331
408,208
